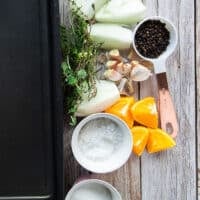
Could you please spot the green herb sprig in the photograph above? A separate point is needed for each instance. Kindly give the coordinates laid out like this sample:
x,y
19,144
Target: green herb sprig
x,y
79,61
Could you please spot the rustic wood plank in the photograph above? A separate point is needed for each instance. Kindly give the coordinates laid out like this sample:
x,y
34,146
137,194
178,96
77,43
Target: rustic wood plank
x,y
198,87
126,179
170,175
64,11
61,6
73,171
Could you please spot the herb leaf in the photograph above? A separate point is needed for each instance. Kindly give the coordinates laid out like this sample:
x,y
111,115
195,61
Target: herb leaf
x,y
79,61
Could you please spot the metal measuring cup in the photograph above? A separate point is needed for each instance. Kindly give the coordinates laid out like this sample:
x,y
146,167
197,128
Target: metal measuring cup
x,y
167,112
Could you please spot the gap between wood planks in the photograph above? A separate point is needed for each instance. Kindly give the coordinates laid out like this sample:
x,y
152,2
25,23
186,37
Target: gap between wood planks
x,y
181,12
197,54
140,174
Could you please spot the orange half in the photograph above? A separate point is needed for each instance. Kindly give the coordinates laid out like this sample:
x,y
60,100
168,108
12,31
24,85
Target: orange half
x,y
140,138
159,140
145,112
122,109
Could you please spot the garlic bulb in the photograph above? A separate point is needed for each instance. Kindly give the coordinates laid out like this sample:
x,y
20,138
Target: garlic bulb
x,y
140,73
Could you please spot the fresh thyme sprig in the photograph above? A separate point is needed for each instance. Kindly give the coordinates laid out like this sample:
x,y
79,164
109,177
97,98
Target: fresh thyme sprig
x,y
79,62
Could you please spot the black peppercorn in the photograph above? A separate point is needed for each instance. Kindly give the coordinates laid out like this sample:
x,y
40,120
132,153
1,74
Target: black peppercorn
x,y
152,38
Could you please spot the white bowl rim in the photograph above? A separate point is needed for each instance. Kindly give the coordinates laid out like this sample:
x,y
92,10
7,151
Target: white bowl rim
x,y
87,181
163,19
75,134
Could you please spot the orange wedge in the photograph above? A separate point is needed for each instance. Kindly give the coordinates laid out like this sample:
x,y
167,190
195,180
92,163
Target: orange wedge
x,y
122,109
140,138
159,140
145,112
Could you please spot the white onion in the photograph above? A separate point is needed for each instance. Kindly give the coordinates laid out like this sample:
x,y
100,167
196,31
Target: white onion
x,y
111,36
140,73
121,12
86,6
107,95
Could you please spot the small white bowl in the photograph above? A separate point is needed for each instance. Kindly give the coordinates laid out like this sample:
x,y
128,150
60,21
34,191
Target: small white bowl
x,y
109,159
91,185
172,42
159,62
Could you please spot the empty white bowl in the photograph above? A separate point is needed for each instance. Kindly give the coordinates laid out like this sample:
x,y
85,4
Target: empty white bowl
x,y
102,143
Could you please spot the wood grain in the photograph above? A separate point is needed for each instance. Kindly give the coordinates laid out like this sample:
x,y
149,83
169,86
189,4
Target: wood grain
x,y
126,179
198,87
171,175
73,171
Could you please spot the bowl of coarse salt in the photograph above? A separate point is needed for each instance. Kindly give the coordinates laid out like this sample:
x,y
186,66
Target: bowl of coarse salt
x,y
102,143
93,189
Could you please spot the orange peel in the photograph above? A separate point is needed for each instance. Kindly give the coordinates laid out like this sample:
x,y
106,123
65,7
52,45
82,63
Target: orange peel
x,y
159,140
145,112
140,138
122,109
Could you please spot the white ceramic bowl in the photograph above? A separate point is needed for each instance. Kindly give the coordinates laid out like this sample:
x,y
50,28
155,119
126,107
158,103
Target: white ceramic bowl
x,y
98,124
91,185
173,37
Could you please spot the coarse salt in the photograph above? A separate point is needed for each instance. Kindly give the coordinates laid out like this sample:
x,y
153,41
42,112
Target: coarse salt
x,y
99,139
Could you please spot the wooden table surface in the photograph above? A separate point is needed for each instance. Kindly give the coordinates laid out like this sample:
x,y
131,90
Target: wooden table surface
x,y
173,174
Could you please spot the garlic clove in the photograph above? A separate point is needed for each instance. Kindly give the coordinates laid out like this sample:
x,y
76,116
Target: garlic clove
x,y
112,75
140,73
134,63
115,55
127,67
129,87
126,87
120,68
130,55
111,64
122,84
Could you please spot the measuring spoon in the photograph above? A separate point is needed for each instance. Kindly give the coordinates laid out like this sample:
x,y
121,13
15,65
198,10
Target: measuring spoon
x,y
167,112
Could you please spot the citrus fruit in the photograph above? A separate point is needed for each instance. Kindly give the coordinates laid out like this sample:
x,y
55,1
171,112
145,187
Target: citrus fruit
x,y
140,138
122,109
159,140
145,112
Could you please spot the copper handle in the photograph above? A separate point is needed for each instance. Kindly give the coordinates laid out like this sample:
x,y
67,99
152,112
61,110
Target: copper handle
x,y
168,117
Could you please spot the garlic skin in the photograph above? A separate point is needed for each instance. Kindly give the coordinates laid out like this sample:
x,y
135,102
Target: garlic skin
x,y
127,67
119,67
112,75
134,63
140,73
111,64
115,55
122,84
